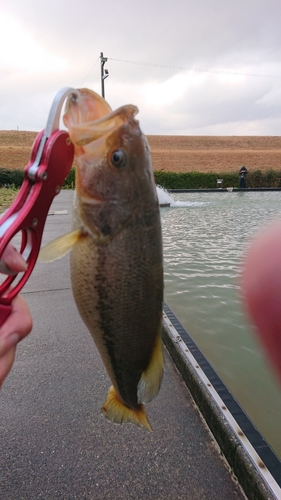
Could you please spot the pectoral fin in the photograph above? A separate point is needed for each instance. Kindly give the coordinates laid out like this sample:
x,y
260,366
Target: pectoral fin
x,y
59,247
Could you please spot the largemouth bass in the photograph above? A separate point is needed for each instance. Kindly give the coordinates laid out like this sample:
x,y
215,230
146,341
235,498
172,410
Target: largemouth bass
x,y
116,251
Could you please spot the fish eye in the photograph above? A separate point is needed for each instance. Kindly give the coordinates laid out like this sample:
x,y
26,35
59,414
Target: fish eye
x,y
118,158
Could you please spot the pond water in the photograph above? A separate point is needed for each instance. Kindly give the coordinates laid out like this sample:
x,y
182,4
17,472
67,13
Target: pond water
x,y
205,236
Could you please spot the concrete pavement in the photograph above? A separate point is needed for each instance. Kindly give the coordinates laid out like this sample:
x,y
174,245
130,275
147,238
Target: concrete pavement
x,y
54,442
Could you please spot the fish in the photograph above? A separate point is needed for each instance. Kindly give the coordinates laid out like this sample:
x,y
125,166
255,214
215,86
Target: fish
x,y
116,259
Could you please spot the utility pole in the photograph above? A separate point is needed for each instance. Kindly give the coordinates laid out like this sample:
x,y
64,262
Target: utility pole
x,y
104,72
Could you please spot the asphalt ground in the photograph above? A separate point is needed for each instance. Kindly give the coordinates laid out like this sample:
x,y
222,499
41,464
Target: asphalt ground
x,y
54,442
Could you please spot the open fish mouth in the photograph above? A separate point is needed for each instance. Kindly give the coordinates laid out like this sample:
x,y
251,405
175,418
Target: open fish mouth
x,y
85,133
90,119
94,130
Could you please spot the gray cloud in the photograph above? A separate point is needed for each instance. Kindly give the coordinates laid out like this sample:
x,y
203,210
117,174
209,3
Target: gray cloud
x,y
242,37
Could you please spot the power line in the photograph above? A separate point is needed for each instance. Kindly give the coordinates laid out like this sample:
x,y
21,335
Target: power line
x,y
90,71
198,70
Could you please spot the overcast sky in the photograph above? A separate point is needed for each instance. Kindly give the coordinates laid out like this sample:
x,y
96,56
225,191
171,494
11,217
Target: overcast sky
x,y
195,67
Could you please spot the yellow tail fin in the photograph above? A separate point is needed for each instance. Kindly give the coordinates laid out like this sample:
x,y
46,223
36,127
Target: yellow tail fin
x,y
115,411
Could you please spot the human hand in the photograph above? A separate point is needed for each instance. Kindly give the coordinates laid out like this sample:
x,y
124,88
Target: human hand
x,y
19,323
261,285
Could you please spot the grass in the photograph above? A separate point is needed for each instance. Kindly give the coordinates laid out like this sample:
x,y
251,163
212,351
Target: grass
x,y
7,196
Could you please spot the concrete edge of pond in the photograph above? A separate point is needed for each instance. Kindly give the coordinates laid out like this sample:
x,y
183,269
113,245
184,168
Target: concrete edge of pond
x,y
223,190
253,462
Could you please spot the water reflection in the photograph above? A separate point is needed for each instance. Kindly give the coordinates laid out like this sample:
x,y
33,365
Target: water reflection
x,y
205,236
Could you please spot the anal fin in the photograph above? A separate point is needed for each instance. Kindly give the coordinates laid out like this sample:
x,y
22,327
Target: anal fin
x,y
150,381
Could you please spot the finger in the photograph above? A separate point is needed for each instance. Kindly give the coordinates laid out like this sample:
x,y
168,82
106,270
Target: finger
x,y
17,326
261,284
6,363
7,343
13,259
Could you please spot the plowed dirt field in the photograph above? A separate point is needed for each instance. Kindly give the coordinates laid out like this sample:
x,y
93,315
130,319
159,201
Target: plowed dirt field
x,y
174,153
